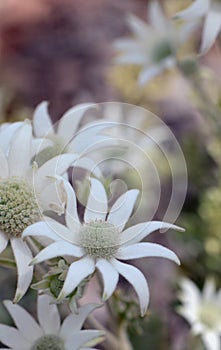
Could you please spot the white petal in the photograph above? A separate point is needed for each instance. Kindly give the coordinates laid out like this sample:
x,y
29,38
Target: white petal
x,y
96,208
48,315
149,73
42,124
62,231
138,232
20,151
139,27
122,209
189,292
156,17
80,338
3,241
74,322
23,256
25,323
142,250
71,213
59,248
134,57
137,280
209,289
39,145
55,166
89,165
110,277
211,340
69,122
4,171
197,9
211,30
76,273
44,229
6,135
11,337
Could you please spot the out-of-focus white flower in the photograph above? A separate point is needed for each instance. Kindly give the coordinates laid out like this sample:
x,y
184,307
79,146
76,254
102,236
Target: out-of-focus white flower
x,y
153,46
68,138
49,333
202,311
211,9
25,192
100,242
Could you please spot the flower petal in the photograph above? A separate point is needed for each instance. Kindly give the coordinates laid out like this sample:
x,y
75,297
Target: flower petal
x,y
96,208
20,151
209,289
23,256
110,277
157,18
3,241
211,30
55,166
149,73
137,280
4,171
81,338
212,340
189,294
48,315
74,322
138,232
76,273
197,9
144,249
42,124
59,248
69,122
89,165
6,135
11,337
44,229
25,323
122,209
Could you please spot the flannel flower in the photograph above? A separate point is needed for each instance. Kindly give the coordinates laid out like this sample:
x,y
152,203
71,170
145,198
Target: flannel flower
x,y
25,192
66,138
100,242
211,10
153,46
202,311
49,333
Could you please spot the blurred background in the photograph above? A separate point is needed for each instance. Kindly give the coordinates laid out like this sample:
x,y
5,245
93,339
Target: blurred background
x,y
62,51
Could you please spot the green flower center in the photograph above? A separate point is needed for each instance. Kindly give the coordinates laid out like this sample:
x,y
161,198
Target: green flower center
x,y
99,239
162,50
210,314
18,206
49,342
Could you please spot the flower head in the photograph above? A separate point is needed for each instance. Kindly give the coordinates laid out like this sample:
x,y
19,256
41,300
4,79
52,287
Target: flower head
x,y
202,311
211,10
49,333
153,46
100,242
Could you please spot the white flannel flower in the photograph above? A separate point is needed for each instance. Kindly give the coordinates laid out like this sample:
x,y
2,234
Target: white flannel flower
x,y
153,46
100,242
202,311
49,333
22,197
211,10
66,138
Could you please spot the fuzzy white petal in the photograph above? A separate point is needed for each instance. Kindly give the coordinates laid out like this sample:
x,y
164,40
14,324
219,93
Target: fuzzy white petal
x,y
42,124
3,241
48,315
110,277
76,273
6,135
149,73
209,289
157,17
197,9
122,209
189,292
211,340
96,208
137,280
81,338
139,27
74,322
25,323
20,151
44,229
11,337
59,248
4,171
211,30
69,122
23,256
138,232
144,249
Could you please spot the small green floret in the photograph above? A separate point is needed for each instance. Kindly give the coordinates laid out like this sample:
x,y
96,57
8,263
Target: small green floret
x,y
49,342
